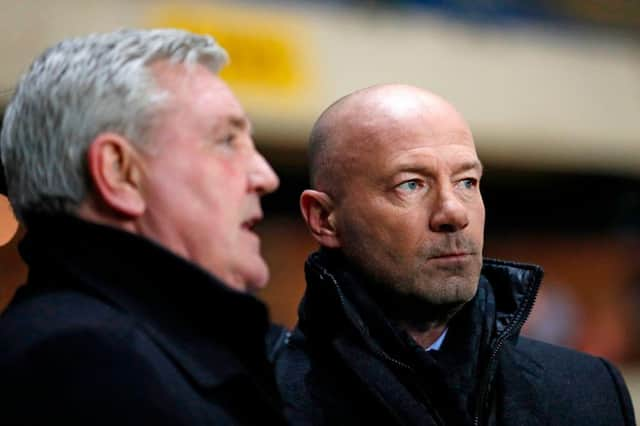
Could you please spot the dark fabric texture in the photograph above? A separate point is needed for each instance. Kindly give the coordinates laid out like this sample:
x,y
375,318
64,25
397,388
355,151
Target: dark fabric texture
x,y
346,363
114,329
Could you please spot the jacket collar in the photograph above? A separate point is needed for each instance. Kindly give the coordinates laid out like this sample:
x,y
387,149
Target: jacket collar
x,y
180,306
515,287
335,305
513,290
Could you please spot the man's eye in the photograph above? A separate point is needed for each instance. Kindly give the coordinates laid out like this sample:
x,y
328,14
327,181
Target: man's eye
x,y
228,139
409,186
469,183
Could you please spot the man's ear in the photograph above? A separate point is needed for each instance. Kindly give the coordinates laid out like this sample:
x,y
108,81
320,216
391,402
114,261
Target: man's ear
x,y
318,211
115,169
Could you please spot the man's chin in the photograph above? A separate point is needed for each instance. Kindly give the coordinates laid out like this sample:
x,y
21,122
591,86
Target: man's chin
x,y
456,294
256,277
424,304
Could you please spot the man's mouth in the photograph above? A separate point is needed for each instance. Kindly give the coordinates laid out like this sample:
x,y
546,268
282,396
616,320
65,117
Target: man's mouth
x,y
451,256
250,224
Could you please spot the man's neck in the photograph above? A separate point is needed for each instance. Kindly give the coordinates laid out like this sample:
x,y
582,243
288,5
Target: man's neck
x,y
424,334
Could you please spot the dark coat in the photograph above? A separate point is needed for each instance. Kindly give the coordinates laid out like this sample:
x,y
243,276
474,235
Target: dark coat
x,y
112,329
345,363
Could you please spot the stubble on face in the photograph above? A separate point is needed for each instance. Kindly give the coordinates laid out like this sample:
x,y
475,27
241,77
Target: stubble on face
x,y
406,264
417,284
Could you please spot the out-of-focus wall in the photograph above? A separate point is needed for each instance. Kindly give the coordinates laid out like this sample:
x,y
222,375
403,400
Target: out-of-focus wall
x,y
632,377
535,95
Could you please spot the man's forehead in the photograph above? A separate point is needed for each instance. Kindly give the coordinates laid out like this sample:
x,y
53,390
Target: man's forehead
x,y
403,125
197,86
187,78
364,129
454,157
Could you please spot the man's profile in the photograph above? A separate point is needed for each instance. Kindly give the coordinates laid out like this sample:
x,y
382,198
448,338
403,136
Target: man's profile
x,y
132,166
403,321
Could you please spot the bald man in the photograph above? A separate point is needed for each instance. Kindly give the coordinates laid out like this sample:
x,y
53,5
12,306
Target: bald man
x,y
403,322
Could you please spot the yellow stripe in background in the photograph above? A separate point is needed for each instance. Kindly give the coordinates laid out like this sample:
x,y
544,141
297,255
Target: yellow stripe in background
x,y
269,51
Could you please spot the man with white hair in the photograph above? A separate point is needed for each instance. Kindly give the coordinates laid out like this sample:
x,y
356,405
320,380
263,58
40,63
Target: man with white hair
x,y
132,166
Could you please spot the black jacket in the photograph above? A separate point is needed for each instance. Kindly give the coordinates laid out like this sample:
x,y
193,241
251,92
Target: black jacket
x,y
112,329
345,363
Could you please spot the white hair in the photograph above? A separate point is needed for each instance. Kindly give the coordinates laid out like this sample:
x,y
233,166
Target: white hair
x,y
76,90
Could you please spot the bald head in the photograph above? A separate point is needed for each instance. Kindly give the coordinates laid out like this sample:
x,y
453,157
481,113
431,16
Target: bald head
x,y
396,184
350,127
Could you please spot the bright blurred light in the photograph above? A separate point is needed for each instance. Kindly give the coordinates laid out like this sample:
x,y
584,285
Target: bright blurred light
x,y
8,223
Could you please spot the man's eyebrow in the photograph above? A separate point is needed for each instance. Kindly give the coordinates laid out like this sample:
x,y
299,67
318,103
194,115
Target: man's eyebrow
x,y
235,122
410,166
240,122
470,165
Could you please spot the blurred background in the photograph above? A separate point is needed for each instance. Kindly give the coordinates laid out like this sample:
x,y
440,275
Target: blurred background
x,y
551,89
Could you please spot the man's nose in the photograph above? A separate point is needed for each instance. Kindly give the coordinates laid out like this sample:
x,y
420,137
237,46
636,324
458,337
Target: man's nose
x,y
449,213
262,178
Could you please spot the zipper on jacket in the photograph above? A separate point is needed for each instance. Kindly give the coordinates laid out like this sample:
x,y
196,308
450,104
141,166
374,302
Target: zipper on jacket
x,y
380,353
491,364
